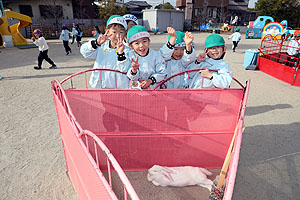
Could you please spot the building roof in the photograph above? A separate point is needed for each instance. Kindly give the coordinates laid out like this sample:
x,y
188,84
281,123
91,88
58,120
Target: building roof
x,y
10,1
238,6
137,4
242,3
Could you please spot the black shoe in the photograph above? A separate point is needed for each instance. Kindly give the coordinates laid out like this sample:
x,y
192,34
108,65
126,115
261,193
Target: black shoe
x,y
53,67
70,51
37,68
67,53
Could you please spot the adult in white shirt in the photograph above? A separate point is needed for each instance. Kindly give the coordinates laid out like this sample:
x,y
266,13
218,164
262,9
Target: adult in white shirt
x,y
293,49
40,41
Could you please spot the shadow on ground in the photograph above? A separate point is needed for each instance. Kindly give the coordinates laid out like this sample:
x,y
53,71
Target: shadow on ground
x,y
269,159
265,108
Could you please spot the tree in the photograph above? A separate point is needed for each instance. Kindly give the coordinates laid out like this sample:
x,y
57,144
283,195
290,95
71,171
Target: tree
x,y
164,6
280,10
108,8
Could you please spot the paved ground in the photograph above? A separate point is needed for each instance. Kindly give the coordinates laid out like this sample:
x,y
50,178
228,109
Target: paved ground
x,y
32,163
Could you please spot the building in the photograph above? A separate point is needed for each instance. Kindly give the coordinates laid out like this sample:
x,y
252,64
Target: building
x,y
239,8
198,12
41,9
162,19
136,7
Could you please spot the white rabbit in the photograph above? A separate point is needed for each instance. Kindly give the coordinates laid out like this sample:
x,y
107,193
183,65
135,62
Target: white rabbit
x,y
179,176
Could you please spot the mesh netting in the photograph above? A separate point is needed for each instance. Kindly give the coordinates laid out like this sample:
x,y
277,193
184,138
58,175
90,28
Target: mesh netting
x,y
166,127
108,112
280,58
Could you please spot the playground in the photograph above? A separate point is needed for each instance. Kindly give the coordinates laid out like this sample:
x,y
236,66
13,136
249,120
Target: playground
x,y
33,165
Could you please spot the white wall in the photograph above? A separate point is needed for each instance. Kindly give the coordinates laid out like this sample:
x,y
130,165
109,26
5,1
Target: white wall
x,y
66,5
154,18
149,20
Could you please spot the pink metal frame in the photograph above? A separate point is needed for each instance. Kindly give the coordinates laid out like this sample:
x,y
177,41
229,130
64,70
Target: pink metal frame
x,y
275,61
83,167
85,188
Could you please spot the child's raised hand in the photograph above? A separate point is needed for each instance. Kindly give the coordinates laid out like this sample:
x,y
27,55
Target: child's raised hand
x,y
188,38
102,38
120,44
205,73
172,33
135,65
201,57
146,83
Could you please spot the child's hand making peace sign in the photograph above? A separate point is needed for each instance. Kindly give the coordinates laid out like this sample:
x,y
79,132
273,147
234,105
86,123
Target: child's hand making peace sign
x,y
102,38
120,44
135,65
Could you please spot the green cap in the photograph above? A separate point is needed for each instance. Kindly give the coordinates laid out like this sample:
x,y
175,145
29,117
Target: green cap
x,y
179,39
237,29
214,40
137,32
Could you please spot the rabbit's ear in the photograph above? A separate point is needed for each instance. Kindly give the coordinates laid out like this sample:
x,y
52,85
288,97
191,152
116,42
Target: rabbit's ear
x,y
149,177
167,174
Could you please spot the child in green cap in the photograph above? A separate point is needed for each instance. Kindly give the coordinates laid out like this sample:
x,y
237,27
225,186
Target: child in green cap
x,y
215,51
104,51
145,64
178,54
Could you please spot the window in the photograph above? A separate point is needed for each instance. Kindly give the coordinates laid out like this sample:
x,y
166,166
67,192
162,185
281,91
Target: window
x,y
51,11
197,12
210,12
26,10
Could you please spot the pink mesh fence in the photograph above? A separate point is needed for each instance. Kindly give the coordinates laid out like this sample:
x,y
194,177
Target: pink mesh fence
x,y
136,129
280,59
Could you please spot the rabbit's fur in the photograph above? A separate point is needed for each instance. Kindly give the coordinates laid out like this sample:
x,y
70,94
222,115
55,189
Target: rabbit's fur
x,y
179,176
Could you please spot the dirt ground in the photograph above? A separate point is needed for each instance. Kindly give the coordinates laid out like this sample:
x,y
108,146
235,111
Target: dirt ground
x,y
32,164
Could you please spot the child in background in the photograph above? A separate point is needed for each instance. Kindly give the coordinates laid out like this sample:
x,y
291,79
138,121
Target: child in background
x,y
178,54
215,51
131,20
145,64
65,36
96,32
104,52
235,37
79,35
74,33
40,41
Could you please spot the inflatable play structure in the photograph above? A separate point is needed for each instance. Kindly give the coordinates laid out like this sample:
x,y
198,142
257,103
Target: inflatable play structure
x,y
10,34
255,28
276,58
112,136
265,25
